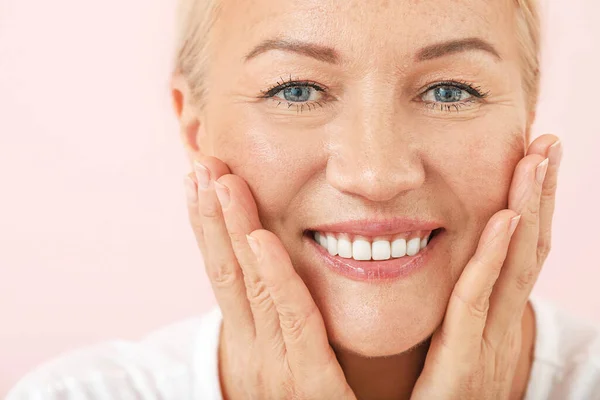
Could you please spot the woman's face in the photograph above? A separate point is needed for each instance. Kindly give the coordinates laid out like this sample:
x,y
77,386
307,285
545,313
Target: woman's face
x,y
370,131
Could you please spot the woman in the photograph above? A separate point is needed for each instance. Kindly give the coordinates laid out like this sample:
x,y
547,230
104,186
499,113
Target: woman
x,y
371,212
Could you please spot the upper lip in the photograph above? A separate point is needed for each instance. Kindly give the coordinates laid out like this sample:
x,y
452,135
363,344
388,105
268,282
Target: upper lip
x,y
379,227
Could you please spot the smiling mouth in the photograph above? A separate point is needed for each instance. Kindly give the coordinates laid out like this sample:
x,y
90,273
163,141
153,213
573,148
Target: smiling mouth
x,y
376,248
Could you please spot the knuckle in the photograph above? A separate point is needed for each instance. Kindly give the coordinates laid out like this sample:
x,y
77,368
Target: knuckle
x,y
544,247
477,308
277,288
223,276
549,189
533,212
258,379
294,325
258,295
543,250
210,209
526,279
291,391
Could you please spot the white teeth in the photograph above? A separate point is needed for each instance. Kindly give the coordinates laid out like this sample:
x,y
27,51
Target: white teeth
x,y
323,240
381,250
399,248
413,246
332,245
344,247
361,250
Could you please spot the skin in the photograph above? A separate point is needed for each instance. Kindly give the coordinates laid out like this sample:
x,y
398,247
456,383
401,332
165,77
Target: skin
x,y
375,149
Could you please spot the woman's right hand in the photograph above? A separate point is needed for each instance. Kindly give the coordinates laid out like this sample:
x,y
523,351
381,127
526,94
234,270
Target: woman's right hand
x,y
273,342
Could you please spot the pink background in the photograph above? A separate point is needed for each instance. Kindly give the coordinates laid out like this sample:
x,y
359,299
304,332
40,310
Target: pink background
x,y
94,240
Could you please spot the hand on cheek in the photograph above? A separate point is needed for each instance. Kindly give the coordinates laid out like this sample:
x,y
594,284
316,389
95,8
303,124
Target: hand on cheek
x,y
274,344
475,351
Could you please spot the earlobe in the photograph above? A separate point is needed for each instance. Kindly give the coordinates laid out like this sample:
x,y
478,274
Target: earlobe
x,y
190,133
189,122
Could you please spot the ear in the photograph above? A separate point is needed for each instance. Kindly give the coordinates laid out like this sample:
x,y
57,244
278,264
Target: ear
x,y
191,128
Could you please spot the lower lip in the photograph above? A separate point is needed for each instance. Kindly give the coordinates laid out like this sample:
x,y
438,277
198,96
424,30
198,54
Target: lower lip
x,y
394,268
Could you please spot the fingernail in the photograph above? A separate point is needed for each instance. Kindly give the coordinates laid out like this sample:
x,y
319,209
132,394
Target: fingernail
x,y
222,194
254,245
540,171
555,153
190,190
202,174
514,222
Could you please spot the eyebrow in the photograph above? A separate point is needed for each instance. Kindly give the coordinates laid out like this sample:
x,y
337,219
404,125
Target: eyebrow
x,y
319,52
331,56
456,46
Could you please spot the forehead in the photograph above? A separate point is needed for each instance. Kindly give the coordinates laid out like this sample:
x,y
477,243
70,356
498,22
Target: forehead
x,y
362,28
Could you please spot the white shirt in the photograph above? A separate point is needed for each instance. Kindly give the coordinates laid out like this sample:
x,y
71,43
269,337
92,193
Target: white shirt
x,y
179,362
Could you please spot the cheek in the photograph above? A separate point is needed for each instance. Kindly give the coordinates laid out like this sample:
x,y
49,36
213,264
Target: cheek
x,y
276,162
478,170
472,173
490,166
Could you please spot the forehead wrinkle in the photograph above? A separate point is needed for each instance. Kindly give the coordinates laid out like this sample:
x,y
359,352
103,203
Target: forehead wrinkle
x,y
335,23
252,19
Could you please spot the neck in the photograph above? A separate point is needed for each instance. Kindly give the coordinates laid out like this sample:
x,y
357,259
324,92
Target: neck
x,y
390,377
394,377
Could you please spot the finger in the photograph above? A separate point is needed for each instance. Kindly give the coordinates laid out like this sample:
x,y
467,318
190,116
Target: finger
x,y
241,218
191,193
521,268
551,147
467,311
216,168
220,262
301,323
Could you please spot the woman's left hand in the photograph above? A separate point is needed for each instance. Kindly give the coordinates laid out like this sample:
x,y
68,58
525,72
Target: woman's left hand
x,y
474,353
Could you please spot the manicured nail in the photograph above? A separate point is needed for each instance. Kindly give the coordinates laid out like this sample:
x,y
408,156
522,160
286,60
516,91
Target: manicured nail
x,y
202,174
555,153
222,194
254,245
191,191
540,171
514,222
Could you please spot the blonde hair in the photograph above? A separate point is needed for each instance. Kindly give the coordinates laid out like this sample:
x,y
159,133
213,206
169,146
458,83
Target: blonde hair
x,y
528,32
196,18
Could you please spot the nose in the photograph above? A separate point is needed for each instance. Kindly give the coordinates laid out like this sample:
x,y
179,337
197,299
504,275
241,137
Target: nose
x,y
375,156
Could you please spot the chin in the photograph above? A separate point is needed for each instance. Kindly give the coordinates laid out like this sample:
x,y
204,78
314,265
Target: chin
x,y
379,331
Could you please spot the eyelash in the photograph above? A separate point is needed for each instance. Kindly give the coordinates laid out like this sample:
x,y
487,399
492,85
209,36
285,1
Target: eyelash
x,y
279,86
475,91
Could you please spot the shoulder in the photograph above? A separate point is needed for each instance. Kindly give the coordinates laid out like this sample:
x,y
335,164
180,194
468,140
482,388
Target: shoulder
x,y
566,361
175,362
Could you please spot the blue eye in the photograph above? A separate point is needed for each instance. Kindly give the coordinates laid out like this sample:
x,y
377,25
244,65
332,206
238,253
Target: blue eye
x,y
298,94
445,94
